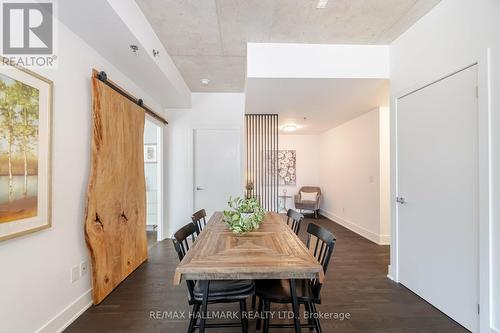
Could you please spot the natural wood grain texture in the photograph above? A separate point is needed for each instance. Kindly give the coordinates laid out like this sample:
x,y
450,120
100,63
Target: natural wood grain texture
x,y
271,252
356,282
115,222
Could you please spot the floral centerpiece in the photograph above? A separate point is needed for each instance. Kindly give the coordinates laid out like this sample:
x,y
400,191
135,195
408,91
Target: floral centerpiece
x,y
243,215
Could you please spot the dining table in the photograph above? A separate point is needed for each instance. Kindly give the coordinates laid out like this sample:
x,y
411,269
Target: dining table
x,y
271,252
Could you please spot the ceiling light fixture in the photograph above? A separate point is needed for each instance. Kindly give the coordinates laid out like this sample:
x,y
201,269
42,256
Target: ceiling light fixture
x,y
205,82
289,127
321,4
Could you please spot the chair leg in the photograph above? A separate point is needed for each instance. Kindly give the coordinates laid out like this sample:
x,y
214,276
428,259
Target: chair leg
x,y
205,286
243,313
295,305
194,317
310,319
267,310
316,320
259,311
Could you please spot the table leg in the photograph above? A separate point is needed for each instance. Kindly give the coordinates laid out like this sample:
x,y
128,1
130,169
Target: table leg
x,y
295,306
204,286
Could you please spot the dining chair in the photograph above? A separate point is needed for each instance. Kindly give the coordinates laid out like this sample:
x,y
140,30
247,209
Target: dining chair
x,y
294,220
320,243
220,291
200,220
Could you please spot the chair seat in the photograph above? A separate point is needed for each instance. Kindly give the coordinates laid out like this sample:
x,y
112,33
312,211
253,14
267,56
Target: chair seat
x,y
278,291
225,289
306,202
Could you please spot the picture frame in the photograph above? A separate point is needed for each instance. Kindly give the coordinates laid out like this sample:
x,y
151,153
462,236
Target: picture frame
x,y
287,167
150,153
26,106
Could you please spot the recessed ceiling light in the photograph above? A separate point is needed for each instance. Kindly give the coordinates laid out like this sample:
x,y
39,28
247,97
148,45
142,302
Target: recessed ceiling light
x,y
321,4
289,127
205,82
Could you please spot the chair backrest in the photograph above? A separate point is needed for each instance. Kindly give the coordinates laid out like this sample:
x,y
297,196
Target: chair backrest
x,y
311,189
321,243
199,219
181,244
294,220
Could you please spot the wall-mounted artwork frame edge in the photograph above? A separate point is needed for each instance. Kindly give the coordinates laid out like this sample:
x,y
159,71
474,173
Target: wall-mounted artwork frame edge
x,y
6,62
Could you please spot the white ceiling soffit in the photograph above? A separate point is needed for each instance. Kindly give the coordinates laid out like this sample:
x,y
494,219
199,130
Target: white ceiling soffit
x,y
326,103
110,27
208,38
286,60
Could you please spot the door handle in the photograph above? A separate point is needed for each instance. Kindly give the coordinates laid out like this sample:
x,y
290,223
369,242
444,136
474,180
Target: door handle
x,y
401,200
199,188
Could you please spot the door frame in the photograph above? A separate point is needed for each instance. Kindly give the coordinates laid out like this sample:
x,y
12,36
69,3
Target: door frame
x,y
484,181
192,151
160,198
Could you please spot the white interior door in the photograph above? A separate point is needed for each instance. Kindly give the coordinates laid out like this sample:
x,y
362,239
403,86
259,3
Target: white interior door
x,y
438,178
217,168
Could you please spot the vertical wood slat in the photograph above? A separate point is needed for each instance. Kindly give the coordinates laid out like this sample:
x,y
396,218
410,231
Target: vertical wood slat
x,y
261,154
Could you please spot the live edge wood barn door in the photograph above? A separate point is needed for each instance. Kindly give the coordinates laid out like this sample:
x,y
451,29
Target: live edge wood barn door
x,y
115,224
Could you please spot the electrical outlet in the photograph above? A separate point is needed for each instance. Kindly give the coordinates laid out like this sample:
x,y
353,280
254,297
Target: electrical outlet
x,y
84,267
75,273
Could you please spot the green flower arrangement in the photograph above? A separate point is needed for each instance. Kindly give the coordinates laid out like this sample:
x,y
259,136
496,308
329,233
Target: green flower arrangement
x,y
243,215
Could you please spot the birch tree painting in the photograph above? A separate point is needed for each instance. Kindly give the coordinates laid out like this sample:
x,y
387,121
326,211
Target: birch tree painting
x,y
18,149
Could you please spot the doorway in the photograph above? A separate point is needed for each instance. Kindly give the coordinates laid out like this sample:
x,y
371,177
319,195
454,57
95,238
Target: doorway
x,y
153,173
217,168
437,180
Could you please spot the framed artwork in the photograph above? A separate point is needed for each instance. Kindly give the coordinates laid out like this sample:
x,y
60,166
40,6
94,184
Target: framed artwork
x,y
25,151
150,153
287,161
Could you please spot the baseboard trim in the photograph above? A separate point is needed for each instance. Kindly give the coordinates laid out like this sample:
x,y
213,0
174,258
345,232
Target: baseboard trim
x,y
378,239
384,240
69,314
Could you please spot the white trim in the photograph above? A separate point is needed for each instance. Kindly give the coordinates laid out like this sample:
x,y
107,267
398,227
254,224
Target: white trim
x,y
495,330
68,315
370,235
389,276
162,226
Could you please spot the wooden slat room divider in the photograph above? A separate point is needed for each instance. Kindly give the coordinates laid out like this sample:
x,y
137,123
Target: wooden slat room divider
x,y
261,172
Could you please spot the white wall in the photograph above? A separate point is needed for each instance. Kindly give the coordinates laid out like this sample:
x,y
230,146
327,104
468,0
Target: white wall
x,y
455,34
307,168
350,176
209,110
35,283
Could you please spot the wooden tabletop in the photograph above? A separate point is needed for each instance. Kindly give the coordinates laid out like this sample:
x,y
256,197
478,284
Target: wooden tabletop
x,y
271,252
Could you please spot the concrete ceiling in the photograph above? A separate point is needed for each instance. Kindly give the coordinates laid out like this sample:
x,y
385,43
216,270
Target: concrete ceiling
x,y
207,38
326,103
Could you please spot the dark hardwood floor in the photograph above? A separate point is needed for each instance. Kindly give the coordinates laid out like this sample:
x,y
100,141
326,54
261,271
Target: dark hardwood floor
x,y
356,285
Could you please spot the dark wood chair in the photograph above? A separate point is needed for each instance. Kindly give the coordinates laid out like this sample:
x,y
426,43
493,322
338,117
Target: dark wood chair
x,y
220,291
200,220
294,220
321,243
